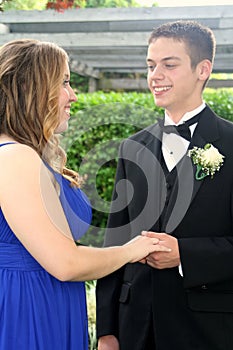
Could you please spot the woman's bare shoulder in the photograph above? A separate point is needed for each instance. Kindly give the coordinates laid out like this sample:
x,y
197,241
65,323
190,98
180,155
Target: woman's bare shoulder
x,y
19,162
17,152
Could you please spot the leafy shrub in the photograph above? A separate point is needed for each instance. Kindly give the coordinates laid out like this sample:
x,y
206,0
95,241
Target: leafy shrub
x,y
91,311
99,123
221,101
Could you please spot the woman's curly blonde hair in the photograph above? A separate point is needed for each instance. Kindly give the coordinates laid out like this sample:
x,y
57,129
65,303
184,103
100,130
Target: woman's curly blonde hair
x,y
31,76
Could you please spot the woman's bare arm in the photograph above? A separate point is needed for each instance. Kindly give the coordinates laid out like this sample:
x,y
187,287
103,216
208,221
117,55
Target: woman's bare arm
x,y
32,209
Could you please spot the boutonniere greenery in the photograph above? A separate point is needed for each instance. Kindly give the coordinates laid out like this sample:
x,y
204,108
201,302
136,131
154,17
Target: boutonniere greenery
x,y
208,160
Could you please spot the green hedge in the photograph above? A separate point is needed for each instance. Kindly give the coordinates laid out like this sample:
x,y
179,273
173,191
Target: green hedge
x,y
100,121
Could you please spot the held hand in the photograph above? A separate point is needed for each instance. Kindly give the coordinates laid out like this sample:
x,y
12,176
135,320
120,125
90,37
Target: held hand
x,y
162,259
141,246
108,342
142,261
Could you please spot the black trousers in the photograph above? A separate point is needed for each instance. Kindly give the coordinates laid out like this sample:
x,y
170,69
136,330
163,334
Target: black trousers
x,y
150,340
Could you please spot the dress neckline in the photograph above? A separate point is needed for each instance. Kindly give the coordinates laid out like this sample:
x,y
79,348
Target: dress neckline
x,y
6,143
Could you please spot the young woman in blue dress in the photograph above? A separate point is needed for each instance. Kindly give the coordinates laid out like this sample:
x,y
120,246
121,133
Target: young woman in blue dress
x,y
42,208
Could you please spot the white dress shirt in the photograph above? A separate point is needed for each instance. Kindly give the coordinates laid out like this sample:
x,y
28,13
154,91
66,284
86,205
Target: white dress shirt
x,y
174,147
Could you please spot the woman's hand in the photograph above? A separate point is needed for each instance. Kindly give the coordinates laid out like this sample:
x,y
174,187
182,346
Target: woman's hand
x,y
141,246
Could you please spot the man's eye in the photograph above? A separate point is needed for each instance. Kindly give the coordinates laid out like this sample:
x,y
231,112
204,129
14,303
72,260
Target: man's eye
x,y
170,66
151,68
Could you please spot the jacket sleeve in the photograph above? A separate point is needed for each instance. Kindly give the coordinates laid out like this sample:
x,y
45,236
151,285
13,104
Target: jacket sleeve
x,y
107,297
208,258
208,262
117,233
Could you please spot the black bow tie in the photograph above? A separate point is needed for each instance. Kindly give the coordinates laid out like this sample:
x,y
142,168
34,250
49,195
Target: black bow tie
x,y
180,130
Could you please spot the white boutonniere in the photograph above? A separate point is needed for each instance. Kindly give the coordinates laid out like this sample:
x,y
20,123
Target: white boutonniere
x,y
208,160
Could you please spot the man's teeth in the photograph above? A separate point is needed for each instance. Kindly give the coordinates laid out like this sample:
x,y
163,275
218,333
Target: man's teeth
x,y
164,88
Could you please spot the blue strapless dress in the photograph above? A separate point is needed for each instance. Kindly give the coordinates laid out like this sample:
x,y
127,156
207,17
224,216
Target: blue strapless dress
x,y
37,311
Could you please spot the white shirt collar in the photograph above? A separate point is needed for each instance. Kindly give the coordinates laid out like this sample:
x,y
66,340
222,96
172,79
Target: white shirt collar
x,y
186,116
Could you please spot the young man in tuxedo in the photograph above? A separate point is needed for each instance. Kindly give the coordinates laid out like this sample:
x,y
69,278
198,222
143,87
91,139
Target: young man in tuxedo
x,y
182,299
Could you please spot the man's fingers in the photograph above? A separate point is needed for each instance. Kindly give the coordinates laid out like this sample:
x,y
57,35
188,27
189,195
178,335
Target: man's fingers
x,y
161,248
152,234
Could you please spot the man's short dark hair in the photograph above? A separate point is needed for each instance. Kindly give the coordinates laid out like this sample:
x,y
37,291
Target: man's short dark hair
x,y
199,40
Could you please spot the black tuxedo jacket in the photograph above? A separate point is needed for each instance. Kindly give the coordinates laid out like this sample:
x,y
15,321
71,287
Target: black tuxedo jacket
x,y
189,312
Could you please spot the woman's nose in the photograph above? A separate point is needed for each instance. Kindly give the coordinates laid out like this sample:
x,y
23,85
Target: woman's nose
x,y
73,96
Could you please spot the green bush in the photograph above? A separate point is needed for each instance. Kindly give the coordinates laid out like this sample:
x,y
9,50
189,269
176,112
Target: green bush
x,y
221,101
100,121
91,311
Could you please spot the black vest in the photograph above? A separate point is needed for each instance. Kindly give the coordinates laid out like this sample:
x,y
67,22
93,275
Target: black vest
x,y
171,187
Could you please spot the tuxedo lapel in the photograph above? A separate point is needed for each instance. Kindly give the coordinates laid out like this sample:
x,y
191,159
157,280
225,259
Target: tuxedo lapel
x,y
148,158
186,184
206,132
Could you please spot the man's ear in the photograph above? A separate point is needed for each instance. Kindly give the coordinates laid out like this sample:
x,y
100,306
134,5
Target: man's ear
x,y
204,69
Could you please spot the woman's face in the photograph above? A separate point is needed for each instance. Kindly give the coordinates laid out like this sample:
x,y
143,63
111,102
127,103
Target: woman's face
x,y
66,97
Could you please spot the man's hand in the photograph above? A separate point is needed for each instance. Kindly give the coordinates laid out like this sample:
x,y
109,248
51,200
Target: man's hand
x,y
108,342
163,260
